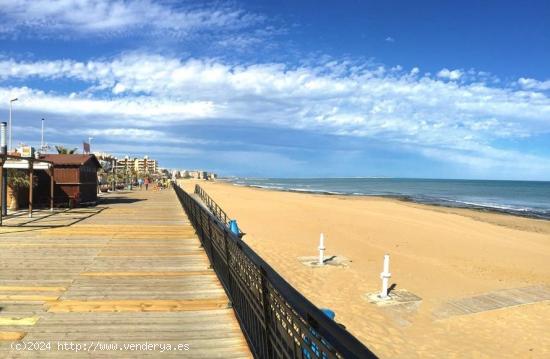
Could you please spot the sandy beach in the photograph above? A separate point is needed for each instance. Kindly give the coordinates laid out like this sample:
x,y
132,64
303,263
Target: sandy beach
x,y
438,254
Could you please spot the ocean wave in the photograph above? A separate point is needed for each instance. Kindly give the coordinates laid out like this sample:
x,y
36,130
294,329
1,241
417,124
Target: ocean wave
x,y
291,189
495,205
317,191
266,186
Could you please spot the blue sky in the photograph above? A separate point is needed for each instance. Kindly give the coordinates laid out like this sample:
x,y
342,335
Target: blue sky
x,y
287,88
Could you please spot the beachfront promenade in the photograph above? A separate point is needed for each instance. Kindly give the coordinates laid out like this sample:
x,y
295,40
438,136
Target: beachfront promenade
x,y
128,271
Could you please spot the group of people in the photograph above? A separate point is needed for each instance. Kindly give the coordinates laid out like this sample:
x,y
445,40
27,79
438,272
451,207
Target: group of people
x,y
160,183
143,182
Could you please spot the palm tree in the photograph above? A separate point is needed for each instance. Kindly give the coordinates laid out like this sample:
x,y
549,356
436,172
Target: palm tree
x,y
17,181
62,150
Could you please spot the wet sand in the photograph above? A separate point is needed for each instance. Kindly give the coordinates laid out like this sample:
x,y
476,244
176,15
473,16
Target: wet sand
x,y
439,254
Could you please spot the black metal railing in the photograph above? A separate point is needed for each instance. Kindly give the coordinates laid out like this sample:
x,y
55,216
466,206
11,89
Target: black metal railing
x,y
212,205
277,321
214,208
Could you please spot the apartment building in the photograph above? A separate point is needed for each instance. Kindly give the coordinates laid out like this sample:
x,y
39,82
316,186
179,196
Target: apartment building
x,y
139,165
197,174
145,165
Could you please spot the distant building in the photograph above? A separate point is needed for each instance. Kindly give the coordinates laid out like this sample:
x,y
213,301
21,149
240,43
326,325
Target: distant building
x,y
145,165
139,165
197,174
124,164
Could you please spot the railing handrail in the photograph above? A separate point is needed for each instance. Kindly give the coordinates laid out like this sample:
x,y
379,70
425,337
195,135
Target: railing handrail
x,y
331,335
214,207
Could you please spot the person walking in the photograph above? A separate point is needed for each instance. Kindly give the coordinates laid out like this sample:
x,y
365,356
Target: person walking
x,y
146,183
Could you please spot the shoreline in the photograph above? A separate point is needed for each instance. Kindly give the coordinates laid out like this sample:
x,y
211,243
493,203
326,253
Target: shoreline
x,y
402,198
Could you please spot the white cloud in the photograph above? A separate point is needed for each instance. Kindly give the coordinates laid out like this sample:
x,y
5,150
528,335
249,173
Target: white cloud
x,y
431,116
154,150
111,17
389,39
451,75
118,89
532,84
145,111
126,134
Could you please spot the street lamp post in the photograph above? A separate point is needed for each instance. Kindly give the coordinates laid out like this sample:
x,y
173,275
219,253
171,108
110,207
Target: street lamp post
x,y
42,136
114,173
4,177
9,139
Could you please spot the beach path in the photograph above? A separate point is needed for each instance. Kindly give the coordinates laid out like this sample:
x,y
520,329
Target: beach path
x,y
126,278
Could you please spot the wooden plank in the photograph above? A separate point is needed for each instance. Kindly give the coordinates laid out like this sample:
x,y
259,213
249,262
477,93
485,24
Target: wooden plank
x,y
136,305
47,245
141,255
12,336
18,321
9,288
499,299
149,274
27,297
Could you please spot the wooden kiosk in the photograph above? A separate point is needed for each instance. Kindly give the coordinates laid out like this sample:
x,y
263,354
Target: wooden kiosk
x,y
29,164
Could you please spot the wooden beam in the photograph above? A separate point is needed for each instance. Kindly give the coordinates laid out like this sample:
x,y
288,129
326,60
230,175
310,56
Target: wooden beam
x,y
137,305
27,298
17,321
149,274
14,288
52,187
31,180
11,336
2,194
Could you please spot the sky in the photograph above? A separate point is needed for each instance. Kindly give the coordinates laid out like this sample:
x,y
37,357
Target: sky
x,y
429,89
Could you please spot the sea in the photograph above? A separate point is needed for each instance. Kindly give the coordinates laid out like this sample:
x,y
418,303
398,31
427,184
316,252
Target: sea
x,y
524,198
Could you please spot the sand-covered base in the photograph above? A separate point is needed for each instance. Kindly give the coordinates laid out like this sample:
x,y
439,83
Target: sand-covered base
x,y
436,253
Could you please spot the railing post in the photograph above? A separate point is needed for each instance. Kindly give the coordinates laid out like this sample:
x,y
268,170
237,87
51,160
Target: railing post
x,y
197,211
211,245
195,214
201,225
227,261
268,351
205,244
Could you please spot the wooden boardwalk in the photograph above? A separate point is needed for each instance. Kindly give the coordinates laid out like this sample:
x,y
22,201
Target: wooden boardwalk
x,y
499,299
127,272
